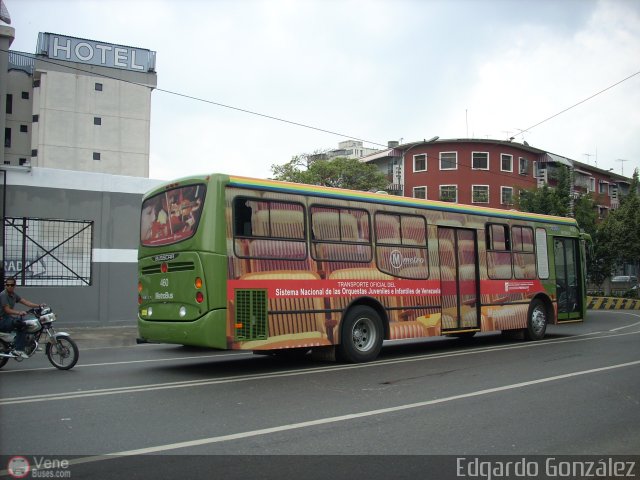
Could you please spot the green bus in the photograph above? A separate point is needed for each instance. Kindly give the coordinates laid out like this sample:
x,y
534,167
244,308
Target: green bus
x,y
230,262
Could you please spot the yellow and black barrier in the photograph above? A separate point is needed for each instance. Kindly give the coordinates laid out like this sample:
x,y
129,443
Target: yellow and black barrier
x,y
613,303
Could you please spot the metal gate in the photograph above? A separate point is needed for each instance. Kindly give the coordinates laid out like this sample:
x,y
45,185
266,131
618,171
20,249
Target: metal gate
x,y
47,252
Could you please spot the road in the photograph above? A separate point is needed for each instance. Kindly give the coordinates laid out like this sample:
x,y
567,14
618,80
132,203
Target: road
x,y
156,411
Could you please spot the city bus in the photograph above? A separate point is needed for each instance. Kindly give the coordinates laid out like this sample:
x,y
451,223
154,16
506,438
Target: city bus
x,y
229,262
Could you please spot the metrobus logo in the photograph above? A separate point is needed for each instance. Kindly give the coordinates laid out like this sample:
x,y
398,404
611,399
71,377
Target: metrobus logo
x,y
399,261
165,257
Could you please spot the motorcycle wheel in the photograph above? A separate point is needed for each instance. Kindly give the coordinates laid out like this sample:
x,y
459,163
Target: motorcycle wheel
x,y
4,348
63,354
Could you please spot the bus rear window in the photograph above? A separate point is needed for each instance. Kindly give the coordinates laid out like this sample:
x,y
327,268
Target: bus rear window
x,y
171,216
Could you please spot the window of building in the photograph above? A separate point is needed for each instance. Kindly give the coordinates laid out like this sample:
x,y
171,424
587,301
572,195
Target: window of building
x,y
98,87
7,162
96,155
449,193
480,160
9,103
602,212
35,118
523,165
22,161
602,187
480,193
419,163
24,129
592,185
448,160
36,83
506,195
419,192
7,137
25,95
34,152
506,162
97,121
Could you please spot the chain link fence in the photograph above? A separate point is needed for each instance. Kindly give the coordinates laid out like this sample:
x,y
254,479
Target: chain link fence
x,y
47,252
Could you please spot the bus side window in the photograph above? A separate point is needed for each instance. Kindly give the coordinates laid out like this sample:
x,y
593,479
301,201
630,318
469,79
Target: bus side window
x,y
242,213
498,244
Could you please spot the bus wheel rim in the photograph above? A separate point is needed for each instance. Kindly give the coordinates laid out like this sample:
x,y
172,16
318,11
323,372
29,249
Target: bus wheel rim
x,y
363,334
538,319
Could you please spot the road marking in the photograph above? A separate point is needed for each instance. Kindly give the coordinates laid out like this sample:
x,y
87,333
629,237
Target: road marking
x,y
627,326
245,353
343,418
151,360
287,373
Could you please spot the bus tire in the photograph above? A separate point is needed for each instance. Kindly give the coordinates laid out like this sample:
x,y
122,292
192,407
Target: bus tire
x,y
361,335
536,321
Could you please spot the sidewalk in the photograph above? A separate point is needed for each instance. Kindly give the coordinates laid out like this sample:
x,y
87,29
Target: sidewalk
x,y
100,337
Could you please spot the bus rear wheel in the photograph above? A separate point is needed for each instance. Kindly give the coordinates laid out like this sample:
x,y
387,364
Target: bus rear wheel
x,y
536,321
361,335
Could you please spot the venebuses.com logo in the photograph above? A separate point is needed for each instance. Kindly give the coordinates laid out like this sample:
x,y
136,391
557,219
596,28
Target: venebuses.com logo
x,y
39,467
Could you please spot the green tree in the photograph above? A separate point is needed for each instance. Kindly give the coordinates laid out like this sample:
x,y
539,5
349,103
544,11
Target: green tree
x,y
546,200
338,172
623,227
585,211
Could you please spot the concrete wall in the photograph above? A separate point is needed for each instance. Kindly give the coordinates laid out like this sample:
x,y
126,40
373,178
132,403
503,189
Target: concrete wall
x,y
112,202
68,137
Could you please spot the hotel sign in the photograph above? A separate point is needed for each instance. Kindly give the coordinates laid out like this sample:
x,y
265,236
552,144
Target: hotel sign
x,y
61,47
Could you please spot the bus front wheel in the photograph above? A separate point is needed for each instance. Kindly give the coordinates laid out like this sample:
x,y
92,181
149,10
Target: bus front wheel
x,y
537,321
361,335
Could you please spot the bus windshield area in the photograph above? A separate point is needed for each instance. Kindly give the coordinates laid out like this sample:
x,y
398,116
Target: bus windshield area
x,y
171,216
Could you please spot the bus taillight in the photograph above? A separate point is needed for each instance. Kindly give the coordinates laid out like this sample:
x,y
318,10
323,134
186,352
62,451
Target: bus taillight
x,y
139,287
199,297
139,300
198,282
164,267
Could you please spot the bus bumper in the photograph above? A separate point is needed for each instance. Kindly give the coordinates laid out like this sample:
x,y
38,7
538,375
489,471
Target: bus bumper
x,y
209,330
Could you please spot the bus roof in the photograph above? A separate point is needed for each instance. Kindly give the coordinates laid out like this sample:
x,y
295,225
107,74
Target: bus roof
x,y
357,195
344,194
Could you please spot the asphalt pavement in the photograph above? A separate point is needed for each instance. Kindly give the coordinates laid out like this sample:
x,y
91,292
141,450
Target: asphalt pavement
x,y
113,336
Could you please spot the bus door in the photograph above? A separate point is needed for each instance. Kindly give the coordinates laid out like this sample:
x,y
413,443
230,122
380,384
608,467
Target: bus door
x,y
568,278
458,252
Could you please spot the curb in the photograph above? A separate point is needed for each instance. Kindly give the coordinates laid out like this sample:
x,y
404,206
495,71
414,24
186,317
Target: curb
x,y
612,303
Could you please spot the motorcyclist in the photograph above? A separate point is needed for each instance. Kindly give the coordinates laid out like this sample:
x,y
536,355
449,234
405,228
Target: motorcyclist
x,y
11,318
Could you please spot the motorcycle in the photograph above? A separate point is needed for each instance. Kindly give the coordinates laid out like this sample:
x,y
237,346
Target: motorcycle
x,y
61,350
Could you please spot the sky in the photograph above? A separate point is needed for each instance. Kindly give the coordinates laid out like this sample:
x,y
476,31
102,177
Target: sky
x,y
373,70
